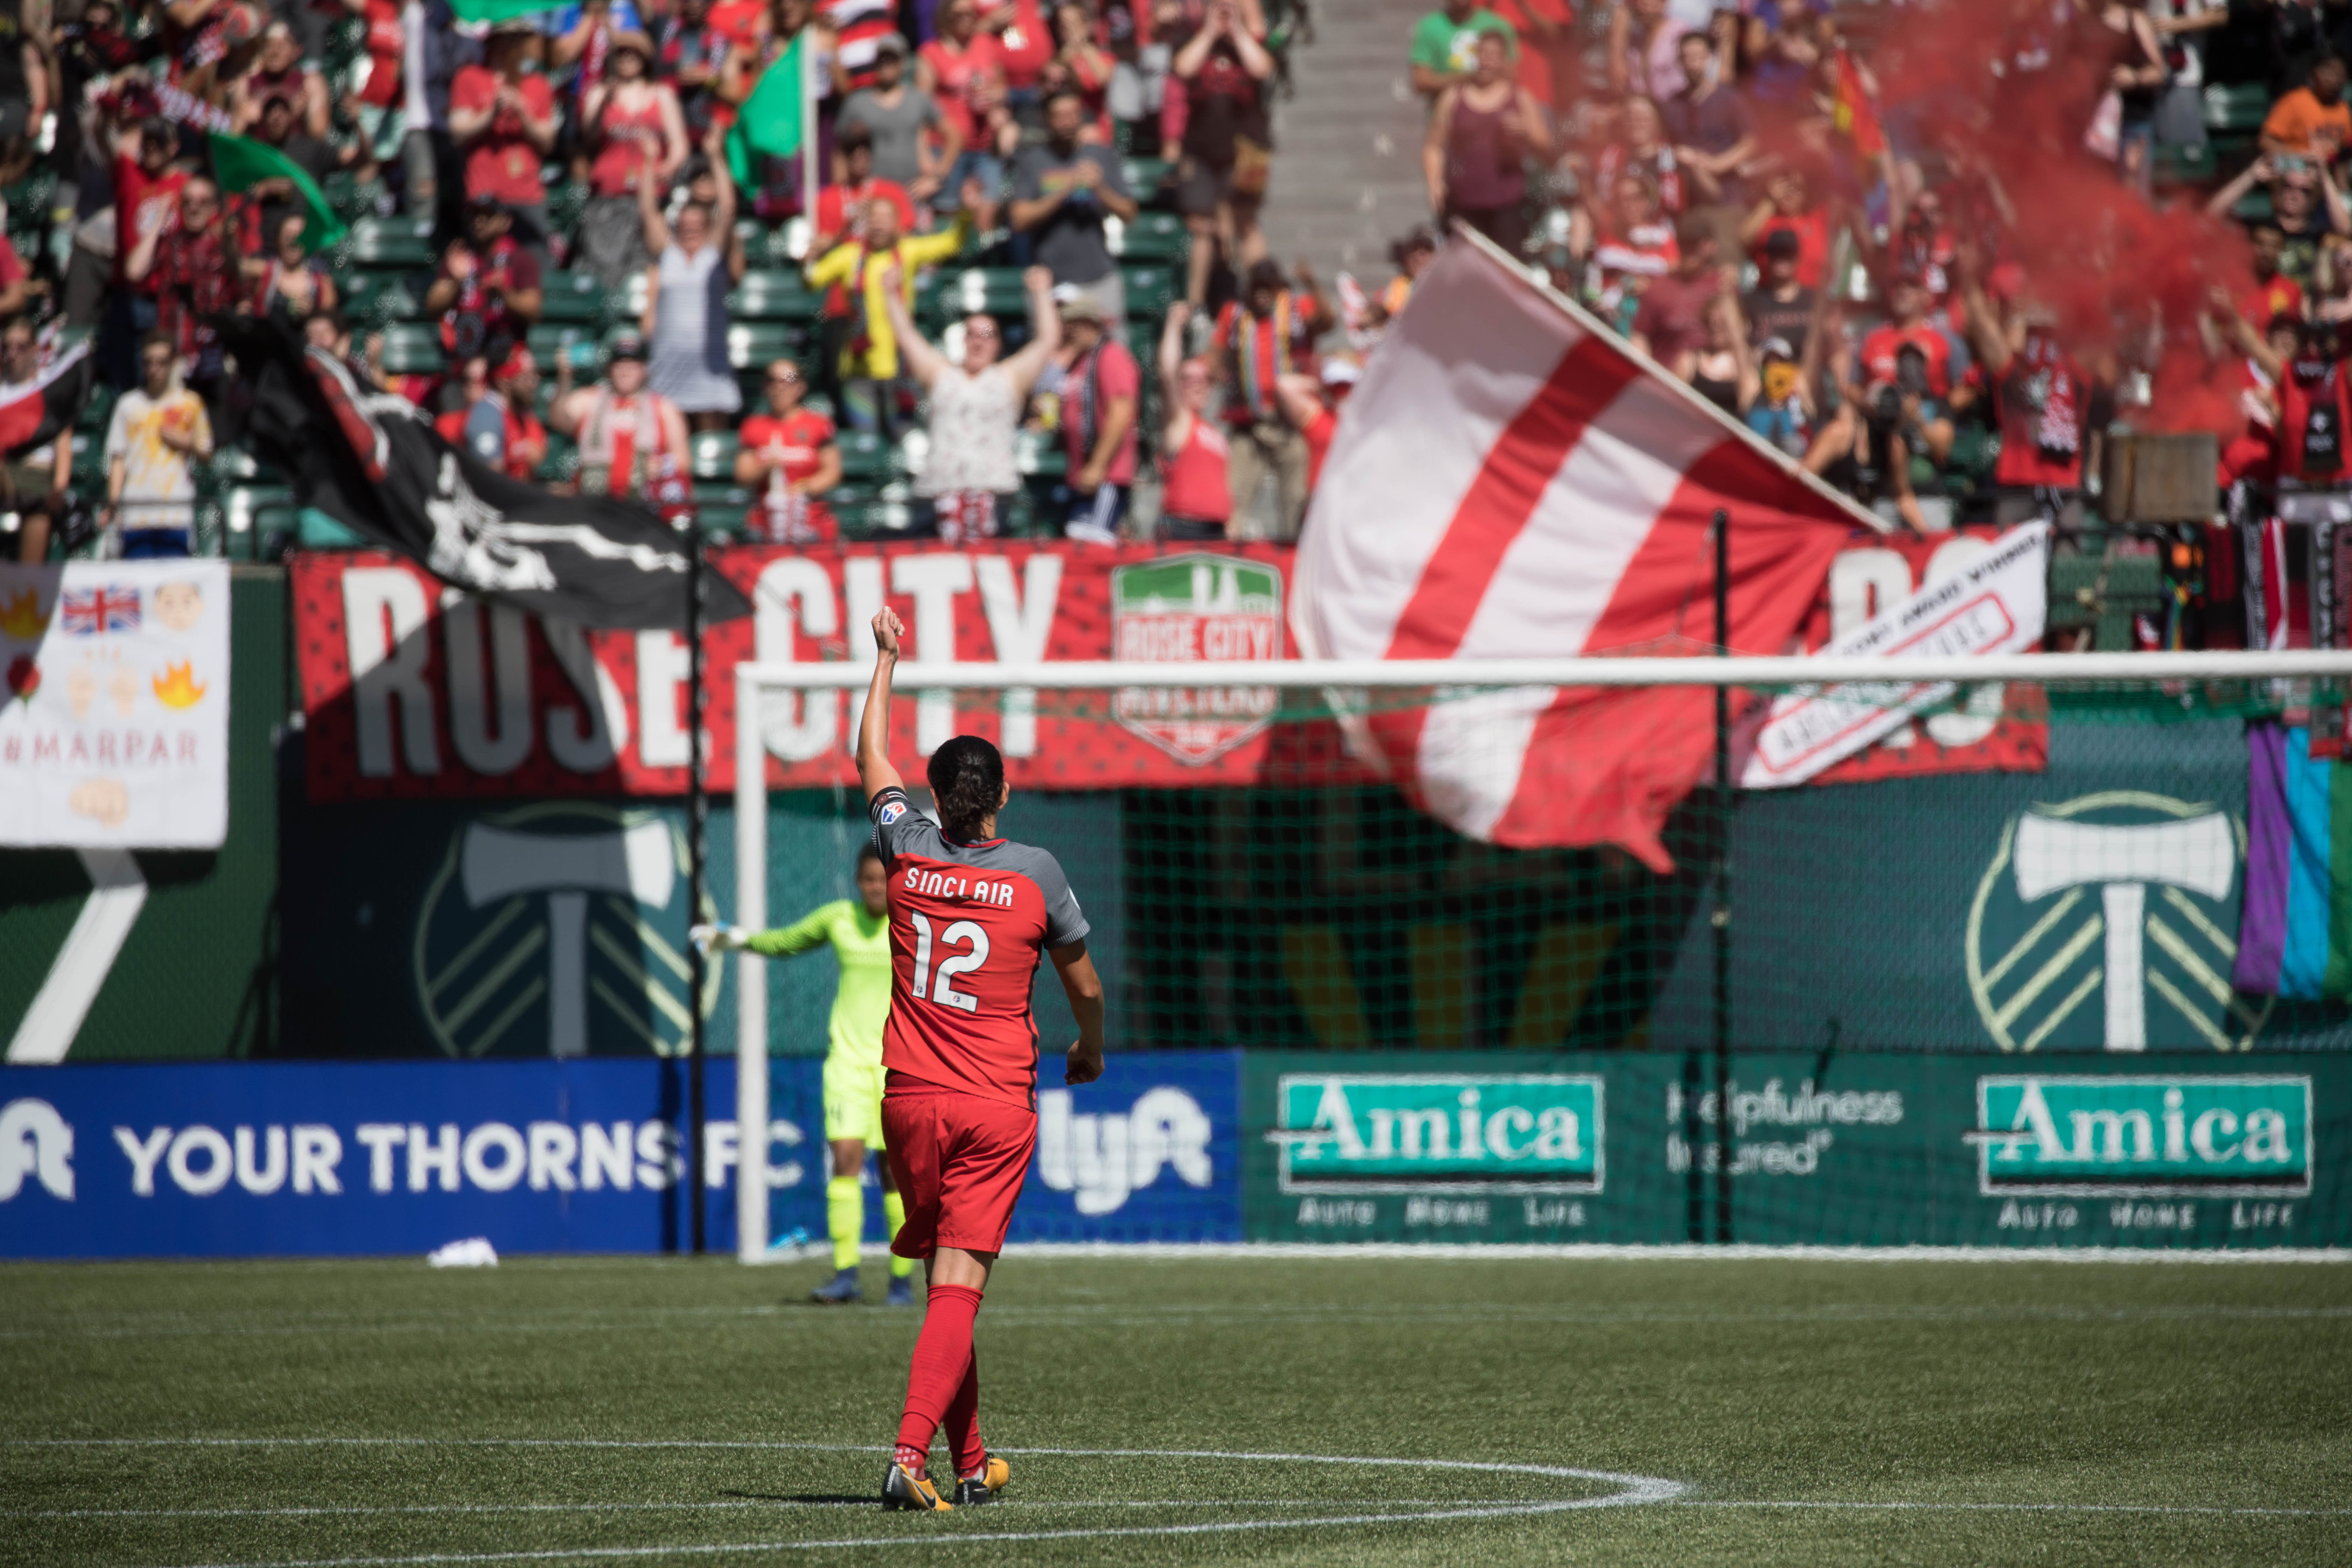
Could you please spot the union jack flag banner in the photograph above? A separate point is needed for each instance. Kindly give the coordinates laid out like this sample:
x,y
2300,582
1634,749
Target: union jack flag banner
x,y
95,610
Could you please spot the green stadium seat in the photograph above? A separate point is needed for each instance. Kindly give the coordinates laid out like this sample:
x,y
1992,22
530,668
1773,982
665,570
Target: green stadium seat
x,y
253,511
751,344
562,464
2184,162
571,299
1146,176
774,294
2255,207
565,204
388,242
721,516
628,301
1153,237
374,298
2241,108
1150,291
992,291
413,348
713,456
98,411
1040,453
864,457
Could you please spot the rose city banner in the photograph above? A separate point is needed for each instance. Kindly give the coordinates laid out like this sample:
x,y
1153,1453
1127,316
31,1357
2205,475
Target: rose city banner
x,y
290,1159
114,732
413,690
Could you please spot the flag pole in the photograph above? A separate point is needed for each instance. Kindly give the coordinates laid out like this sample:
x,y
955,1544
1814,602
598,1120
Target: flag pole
x,y
1722,917
808,131
696,818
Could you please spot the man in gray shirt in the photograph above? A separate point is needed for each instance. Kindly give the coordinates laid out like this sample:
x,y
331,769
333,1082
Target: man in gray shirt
x,y
1062,192
898,113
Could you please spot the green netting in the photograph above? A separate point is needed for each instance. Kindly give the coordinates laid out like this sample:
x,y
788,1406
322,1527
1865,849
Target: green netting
x,y
1957,892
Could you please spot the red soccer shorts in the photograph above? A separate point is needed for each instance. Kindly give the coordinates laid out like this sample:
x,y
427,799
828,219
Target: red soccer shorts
x,y
959,1161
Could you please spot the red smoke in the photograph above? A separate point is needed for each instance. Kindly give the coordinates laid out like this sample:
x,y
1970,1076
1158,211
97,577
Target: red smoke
x,y
2113,266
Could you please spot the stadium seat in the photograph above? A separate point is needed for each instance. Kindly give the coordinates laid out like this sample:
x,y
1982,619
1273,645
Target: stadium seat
x,y
992,291
774,294
864,457
2184,162
2240,107
1040,454
1150,291
722,515
373,299
1153,237
627,303
1146,176
572,300
385,242
413,348
713,456
2255,207
562,464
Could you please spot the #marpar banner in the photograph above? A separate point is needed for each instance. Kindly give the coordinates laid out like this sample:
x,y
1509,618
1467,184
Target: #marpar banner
x,y
115,729
1996,604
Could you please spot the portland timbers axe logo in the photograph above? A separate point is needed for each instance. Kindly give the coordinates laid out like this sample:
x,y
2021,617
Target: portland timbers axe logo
x,y
559,929
2110,921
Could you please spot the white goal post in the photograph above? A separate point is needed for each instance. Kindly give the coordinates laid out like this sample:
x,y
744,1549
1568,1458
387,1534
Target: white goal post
x,y
752,680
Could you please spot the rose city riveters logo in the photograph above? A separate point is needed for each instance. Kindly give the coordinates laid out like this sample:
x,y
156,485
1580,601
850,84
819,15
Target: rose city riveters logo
x,y
2126,1137
1185,609
570,913
1382,1132
2126,894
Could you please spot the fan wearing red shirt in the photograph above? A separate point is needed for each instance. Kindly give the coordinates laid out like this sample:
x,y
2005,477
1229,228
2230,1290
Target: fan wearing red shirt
x,y
488,421
505,119
1909,300
793,456
1787,206
971,914
2044,401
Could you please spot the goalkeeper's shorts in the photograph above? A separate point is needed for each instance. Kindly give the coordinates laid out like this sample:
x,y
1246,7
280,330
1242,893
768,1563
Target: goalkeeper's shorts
x,y
853,1100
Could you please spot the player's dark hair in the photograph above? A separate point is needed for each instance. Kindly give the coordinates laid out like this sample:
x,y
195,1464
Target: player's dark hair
x,y
868,851
967,778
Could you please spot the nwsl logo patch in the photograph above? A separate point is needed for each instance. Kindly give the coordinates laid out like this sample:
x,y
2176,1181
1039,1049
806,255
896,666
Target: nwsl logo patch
x,y
893,812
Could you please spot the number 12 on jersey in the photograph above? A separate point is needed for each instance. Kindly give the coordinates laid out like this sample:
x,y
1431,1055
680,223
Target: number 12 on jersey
x,y
936,986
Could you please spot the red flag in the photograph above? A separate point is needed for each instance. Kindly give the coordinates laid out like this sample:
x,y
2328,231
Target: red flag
x,y
1854,113
1510,480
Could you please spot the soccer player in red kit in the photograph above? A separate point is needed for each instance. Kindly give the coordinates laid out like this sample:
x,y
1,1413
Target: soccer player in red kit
x,y
970,912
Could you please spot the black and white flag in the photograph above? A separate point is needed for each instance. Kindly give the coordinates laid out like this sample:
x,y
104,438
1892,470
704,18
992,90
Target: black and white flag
x,y
372,461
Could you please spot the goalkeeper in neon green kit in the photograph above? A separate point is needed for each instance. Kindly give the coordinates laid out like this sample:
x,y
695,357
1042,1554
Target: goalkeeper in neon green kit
x,y
860,931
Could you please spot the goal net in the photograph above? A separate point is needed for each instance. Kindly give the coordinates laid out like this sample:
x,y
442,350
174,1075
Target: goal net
x,y
1525,868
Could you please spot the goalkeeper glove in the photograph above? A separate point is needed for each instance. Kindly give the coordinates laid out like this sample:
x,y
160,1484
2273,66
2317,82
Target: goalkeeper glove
x,y
719,939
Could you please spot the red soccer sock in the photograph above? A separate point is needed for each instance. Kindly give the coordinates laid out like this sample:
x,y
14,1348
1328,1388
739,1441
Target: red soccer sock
x,y
941,1364
963,1424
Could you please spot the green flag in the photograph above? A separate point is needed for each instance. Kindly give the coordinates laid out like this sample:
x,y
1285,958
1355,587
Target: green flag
x,y
490,11
241,164
771,118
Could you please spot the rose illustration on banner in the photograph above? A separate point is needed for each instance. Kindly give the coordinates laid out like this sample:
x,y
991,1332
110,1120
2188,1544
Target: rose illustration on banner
x,y
24,677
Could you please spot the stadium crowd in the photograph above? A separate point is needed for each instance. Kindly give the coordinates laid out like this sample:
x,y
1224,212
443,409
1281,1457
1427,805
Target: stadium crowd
x,y
1029,280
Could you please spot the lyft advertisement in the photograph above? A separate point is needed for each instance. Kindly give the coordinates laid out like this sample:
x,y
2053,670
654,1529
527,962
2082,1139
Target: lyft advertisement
x,y
263,1159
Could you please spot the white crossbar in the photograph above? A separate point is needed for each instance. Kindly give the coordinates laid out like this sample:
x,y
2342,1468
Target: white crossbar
x,y
1739,670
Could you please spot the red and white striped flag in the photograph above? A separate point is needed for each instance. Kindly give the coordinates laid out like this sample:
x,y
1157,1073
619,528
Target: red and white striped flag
x,y
1510,481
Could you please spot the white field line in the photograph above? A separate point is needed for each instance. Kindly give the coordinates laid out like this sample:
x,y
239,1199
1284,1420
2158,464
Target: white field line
x,y
192,1325
2024,1507
1023,1504
1678,1251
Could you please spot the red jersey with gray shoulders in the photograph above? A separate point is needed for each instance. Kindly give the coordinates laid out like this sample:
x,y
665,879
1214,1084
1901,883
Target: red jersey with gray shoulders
x,y
967,924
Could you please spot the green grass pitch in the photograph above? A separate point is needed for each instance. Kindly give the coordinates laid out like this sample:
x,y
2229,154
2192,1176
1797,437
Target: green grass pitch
x,y
648,1412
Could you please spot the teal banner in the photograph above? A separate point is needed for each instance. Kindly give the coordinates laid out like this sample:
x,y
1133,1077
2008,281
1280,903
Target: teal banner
x,y
1841,1148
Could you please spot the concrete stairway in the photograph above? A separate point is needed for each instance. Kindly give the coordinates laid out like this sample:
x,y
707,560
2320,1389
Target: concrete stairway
x,y
1346,163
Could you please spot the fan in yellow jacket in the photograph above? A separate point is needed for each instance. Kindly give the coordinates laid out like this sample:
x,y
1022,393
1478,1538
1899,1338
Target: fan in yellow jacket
x,y
859,932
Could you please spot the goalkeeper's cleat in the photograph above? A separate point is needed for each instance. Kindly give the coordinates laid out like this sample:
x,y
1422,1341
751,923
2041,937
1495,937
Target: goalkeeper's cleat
x,y
973,1490
839,1291
902,1292
905,1488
